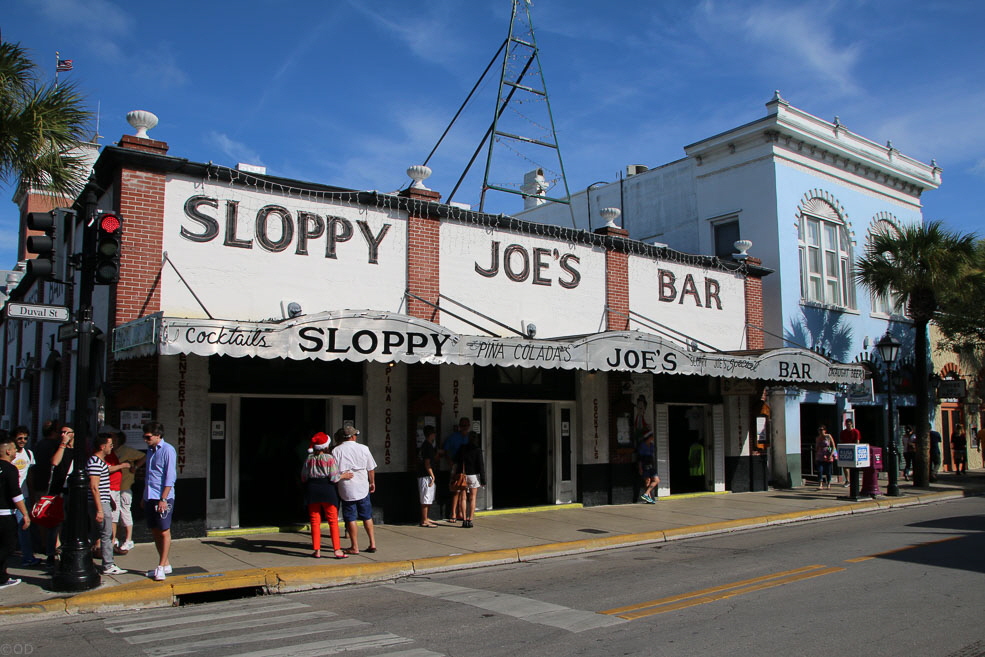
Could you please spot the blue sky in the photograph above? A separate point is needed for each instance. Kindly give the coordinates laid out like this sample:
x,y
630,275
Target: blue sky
x,y
351,93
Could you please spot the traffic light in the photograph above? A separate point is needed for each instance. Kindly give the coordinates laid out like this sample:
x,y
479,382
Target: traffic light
x,y
109,239
43,266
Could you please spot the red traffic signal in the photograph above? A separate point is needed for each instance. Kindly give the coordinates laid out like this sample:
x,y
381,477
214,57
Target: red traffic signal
x,y
109,240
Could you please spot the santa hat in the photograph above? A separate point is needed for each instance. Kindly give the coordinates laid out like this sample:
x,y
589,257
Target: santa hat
x,y
318,441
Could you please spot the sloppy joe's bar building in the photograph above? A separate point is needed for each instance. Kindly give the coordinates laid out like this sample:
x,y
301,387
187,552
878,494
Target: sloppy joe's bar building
x,y
253,311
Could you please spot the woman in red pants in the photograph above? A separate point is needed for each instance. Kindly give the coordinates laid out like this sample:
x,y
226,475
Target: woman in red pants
x,y
319,474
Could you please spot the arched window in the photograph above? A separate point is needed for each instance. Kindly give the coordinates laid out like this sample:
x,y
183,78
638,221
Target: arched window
x,y
891,303
826,271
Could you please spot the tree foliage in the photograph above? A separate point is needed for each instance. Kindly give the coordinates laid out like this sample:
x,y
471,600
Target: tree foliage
x,y
41,125
927,267
961,317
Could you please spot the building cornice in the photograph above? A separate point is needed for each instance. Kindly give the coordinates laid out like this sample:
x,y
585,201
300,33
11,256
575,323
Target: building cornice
x,y
796,131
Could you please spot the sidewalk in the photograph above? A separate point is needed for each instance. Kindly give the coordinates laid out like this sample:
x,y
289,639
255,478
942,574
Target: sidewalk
x,y
281,562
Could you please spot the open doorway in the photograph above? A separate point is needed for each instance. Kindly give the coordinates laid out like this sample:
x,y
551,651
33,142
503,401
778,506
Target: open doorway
x,y
520,438
274,437
690,460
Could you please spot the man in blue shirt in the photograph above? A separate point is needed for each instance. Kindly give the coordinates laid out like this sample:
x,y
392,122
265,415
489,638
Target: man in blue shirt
x,y
159,494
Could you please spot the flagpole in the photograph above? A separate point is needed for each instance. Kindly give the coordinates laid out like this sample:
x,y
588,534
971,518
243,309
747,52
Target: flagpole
x,y
57,57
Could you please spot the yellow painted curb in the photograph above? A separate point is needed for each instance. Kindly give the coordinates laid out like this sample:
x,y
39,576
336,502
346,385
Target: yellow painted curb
x,y
302,578
109,598
468,560
529,509
715,527
221,581
54,605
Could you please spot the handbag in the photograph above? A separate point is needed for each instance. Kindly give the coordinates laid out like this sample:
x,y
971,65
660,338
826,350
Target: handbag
x,y
460,482
48,511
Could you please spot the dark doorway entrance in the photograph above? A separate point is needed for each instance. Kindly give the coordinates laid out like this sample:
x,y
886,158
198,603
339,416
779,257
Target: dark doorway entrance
x,y
273,442
687,429
811,417
520,454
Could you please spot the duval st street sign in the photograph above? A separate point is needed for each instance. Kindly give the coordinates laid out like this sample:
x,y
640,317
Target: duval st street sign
x,y
37,312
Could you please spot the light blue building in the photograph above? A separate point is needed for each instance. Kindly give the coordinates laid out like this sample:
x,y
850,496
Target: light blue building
x,y
807,193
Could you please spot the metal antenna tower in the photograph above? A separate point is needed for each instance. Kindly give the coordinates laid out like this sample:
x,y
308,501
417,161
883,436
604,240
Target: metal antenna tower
x,y
522,125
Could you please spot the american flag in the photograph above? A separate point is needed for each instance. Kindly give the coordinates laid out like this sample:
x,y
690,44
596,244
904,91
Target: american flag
x,y
63,65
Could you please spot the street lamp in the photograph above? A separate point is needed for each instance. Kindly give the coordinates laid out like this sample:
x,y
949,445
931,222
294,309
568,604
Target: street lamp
x,y
588,199
888,347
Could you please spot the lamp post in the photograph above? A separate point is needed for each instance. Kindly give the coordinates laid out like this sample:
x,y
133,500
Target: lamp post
x,y
888,347
76,571
588,200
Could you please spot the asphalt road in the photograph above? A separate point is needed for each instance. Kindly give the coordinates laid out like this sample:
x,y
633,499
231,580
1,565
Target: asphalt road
x,y
905,582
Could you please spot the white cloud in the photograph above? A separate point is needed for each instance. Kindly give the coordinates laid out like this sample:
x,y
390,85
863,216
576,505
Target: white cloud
x,y
234,150
110,19
793,36
161,66
425,32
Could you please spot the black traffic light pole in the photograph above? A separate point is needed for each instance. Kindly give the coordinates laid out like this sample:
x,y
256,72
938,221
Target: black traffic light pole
x,y
76,571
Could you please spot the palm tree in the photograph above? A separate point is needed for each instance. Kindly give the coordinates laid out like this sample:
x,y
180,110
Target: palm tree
x,y
920,264
40,126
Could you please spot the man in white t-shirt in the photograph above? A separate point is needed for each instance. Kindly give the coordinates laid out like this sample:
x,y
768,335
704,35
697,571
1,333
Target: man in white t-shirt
x,y
24,461
357,459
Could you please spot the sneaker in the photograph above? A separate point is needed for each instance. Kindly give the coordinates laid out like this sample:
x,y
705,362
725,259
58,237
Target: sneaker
x,y
645,498
10,582
159,574
30,562
113,569
127,546
651,500
165,569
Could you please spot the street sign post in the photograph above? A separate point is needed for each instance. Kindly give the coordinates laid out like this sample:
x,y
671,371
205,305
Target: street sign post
x,y
68,331
38,312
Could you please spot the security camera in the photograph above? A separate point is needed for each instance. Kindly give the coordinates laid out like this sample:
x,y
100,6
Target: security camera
x,y
531,330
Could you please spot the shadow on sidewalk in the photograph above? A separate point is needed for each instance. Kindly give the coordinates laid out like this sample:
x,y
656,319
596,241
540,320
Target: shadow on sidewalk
x,y
299,548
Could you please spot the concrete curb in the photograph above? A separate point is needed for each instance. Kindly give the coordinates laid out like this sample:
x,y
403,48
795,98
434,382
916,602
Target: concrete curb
x,y
304,578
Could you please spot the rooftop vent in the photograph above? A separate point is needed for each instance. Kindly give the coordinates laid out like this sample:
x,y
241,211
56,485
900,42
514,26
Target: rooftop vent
x,y
634,169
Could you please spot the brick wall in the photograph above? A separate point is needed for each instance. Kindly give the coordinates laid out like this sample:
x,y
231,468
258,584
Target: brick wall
x,y
755,339
423,258
140,200
616,283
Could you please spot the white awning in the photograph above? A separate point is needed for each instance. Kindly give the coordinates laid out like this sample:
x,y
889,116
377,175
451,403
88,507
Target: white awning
x,y
368,335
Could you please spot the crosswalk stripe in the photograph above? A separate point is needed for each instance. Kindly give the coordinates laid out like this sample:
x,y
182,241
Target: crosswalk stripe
x,y
151,637
196,616
330,647
527,609
275,635
414,652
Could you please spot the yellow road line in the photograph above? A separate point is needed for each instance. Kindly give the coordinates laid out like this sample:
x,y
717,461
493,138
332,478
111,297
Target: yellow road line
x,y
729,593
713,589
901,549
